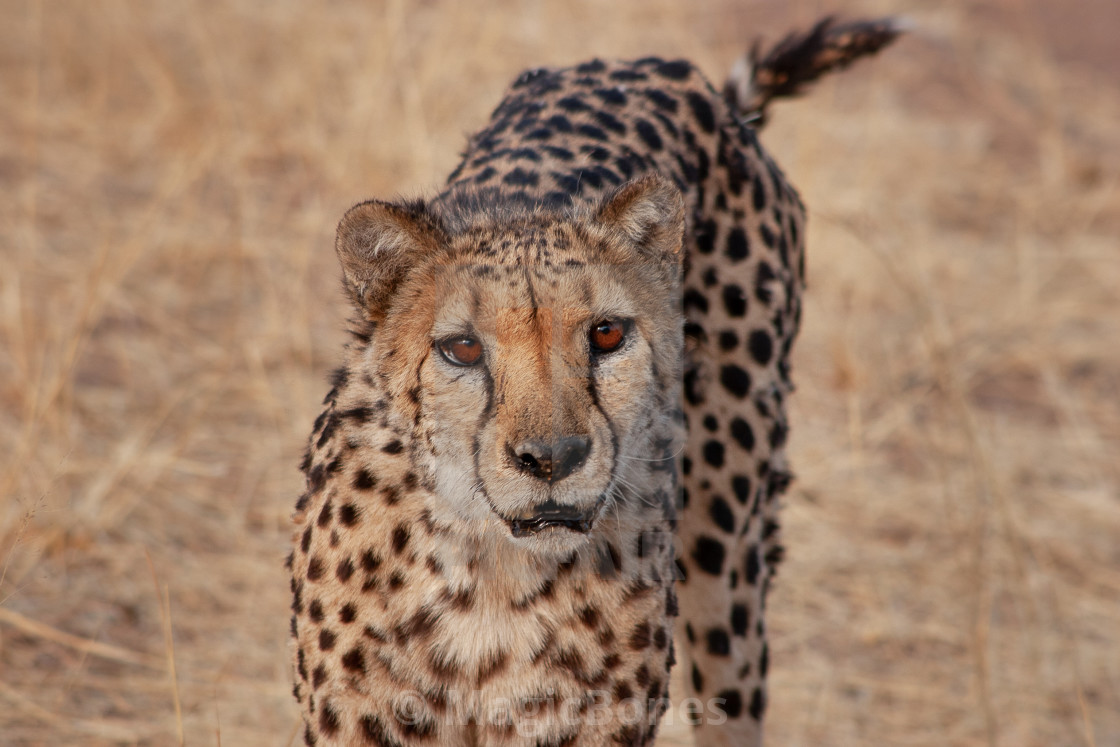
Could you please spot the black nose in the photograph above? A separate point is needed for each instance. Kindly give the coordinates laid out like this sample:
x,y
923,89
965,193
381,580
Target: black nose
x,y
551,462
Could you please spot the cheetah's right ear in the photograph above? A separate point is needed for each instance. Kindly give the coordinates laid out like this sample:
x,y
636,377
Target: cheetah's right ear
x,y
649,213
377,243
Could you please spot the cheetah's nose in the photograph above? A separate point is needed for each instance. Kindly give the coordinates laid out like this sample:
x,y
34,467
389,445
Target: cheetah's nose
x,y
551,462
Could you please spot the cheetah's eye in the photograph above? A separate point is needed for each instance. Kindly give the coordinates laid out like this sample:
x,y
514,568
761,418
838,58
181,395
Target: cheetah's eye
x,y
460,351
607,336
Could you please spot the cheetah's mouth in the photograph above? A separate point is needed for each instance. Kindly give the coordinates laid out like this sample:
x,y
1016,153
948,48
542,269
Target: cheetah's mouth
x,y
551,514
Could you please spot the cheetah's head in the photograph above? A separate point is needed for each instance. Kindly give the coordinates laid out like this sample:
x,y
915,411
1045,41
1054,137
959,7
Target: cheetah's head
x,y
532,353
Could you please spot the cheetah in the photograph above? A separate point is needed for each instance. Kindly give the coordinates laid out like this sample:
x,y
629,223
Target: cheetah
x,y
559,429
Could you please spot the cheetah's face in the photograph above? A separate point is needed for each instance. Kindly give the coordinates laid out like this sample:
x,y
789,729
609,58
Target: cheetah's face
x,y
533,386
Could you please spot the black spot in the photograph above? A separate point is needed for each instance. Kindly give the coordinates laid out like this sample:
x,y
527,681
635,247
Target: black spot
x,y
347,614
719,644
627,164
529,76
640,637
740,620
318,676
400,539
767,235
596,152
778,435
728,340
661,100
591,131
758,194
566,182
393,447
758,704
694,299
649,134
607,175
697,679
526,154
742,487
627,75
734,301
674,69
315,611
370,561
325,515
327,640
328,719
594,66
672,605
357,414
732,702
711,423
610,121
702,109
305,541
572,104
737,247
761,346
315,569
485,175
316,478
328,431
344,570
694,331
735,380
557,200
348,515
364,480
354,661
721,514
708,554
714,453
540,133
557,152
588,177
764,660
613,96
752,565
705,235
375,732
764,275
742,433
519,178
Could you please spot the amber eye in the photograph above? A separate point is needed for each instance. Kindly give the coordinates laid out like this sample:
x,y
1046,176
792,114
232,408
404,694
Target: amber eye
x,y
461,351
607,335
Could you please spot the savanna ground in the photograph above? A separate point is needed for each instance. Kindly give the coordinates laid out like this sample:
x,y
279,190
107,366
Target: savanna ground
x,y
172,173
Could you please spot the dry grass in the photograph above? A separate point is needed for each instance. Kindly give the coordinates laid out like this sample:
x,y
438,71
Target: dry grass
x,y
168,308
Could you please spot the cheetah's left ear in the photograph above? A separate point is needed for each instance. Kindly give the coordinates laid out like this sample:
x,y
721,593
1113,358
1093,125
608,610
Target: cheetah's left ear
x,y
649,213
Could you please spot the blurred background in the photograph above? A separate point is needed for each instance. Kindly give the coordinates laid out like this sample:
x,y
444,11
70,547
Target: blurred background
x,y
172,174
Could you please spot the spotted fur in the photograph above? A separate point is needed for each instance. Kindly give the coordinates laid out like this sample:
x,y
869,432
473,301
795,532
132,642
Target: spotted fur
x,y
505,484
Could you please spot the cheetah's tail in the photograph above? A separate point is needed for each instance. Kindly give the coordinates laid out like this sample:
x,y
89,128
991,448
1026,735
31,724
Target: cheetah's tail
x,y
799,59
